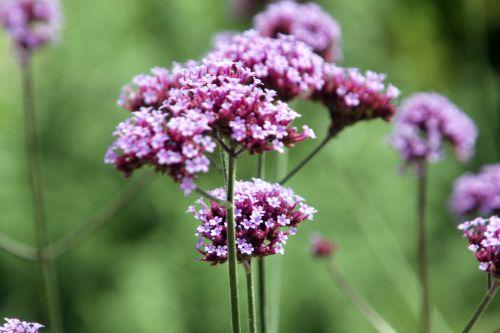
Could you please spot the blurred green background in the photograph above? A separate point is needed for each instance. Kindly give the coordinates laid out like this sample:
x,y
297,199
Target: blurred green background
x,y
138,274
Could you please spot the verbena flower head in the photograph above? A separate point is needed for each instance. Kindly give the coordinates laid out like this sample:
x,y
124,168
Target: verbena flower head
x,y
424,122
17,326
30,23
212,101
284,64
265,214
352,96
477,193
307,22
322,247
152,90
484,241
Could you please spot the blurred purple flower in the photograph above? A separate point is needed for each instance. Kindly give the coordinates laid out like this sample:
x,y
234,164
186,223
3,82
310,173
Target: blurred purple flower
x,y
30,23
283,64
351,96
265,214
17,326
307,22
322,247
424,122
477,193
210,102
484,241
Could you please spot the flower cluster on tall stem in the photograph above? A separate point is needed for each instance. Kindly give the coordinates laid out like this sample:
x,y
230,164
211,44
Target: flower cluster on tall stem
x,y
265,214
425,122
307,22
483,236
30,23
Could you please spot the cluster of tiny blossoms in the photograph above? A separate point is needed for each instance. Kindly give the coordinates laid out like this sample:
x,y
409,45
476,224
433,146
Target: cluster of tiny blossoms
x,y
307,22
17,326
351,96
478,193
484,240
221,100
284,64
425,121
265,215
30,23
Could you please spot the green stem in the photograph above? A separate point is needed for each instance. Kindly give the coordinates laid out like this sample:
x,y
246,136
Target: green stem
x,y
423,261
359,302
17,249
308,158
252,327
489,280
231,244
482,306
36,185
261,264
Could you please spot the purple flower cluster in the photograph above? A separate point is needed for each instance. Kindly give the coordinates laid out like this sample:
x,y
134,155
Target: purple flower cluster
x,y
322,247
307,22
149,90
220,101
17,326
478,193
265,214
425,121
351,96
484,240
283,64
30,23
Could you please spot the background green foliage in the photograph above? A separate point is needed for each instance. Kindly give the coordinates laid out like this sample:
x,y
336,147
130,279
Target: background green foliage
x,y
138,274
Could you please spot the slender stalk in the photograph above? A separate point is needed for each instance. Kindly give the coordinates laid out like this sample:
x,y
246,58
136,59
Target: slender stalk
x,y
231,245
306,160
252,325
359,302
91,226
223,163
17,249
261,264
36,185
482,306
422,258
489,280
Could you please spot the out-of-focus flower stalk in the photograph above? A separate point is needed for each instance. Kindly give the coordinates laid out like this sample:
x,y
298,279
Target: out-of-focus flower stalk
x,y
490,294
422,258
358,301
36,185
